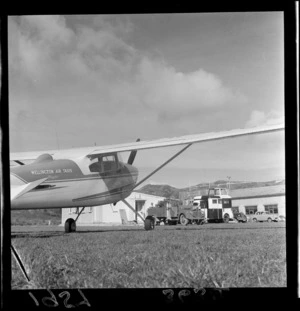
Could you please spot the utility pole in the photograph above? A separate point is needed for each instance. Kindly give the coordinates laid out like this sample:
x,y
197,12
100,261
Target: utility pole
x,y
228,184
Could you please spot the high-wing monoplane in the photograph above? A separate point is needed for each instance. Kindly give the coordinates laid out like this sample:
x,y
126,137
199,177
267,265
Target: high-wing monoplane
x,y
93,176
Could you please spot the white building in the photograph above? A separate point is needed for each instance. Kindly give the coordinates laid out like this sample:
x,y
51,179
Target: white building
x,y
118,214
251,200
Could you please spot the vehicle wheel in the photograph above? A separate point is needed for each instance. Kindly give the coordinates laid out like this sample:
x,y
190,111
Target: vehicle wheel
x,y
226,218
70,225
254,219
149,223
183,220
269,219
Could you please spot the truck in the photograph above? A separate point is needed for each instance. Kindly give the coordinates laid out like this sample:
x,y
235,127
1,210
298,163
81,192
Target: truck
x,y
213,207
172,212
216,205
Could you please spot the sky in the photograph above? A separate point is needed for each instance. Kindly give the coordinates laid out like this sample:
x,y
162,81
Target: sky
x,y
77,81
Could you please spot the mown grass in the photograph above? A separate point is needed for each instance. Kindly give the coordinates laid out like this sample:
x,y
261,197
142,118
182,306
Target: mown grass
x,y
194,256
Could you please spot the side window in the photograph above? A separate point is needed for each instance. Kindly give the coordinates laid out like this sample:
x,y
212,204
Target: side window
x,y
272,208
103,164
96,165
109,163
251,209
215,201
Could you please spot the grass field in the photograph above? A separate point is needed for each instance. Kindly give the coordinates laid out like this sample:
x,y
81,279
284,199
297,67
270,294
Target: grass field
x,y
36,217
212,255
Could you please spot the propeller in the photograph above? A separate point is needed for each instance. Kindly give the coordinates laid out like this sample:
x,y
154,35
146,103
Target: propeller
x,y
132,155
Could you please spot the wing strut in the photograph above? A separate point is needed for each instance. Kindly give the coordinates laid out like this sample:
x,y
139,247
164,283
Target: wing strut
x,y
133,210
79,213
164,164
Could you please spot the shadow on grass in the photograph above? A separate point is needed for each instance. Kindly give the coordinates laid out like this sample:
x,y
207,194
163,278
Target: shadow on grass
x,y
47,234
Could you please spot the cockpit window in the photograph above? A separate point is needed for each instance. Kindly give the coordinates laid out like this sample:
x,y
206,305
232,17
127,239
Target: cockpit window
x,y
104,163
109,163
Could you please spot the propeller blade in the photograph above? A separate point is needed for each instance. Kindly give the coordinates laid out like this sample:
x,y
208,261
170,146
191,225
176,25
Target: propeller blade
x,y
132,155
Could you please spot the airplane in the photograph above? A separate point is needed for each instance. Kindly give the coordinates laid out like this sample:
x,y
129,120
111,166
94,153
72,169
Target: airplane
x,y
94,176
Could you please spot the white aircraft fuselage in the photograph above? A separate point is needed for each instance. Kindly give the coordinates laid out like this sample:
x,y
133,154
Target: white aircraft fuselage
x,y
70,183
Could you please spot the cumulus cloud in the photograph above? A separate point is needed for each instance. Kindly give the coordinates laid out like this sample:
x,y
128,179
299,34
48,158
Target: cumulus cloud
x,y
47,52
162,87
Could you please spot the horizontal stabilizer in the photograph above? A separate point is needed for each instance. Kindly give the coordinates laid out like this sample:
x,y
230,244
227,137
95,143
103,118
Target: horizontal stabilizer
x,y
16,192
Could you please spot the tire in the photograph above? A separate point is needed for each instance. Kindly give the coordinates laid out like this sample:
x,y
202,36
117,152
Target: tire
x,y
270,219
70,225
254,220
183,220
226,218
149,223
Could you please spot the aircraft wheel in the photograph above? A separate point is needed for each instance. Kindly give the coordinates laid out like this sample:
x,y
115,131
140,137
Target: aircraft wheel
x,y
149,223
70,225
183,220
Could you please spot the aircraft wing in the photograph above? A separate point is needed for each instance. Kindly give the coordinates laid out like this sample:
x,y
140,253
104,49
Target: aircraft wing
x,y
157,143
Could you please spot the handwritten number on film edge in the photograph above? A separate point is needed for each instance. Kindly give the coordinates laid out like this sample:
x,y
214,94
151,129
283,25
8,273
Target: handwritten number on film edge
x,y
52,302
182,293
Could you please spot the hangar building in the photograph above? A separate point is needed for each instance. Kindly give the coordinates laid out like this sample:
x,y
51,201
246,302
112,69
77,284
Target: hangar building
x,y
110,214
251,200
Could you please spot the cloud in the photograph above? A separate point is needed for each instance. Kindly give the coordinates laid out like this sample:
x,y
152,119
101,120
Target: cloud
x,y
164,88
258,118
96,59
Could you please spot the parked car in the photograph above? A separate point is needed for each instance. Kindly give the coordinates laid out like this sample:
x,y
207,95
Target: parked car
x,y
264,216
240,217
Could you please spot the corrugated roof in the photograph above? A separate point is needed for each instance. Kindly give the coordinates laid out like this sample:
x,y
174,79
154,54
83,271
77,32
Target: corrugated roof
x,y
258,191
